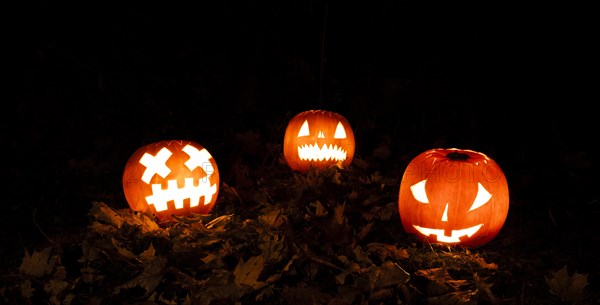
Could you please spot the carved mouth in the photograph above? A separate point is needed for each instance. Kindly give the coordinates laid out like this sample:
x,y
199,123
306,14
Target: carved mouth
x,y
454,238
312,152
160,197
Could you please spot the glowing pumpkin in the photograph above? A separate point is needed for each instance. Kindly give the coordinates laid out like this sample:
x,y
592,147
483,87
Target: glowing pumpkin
x,y
318,138
172,177
453,196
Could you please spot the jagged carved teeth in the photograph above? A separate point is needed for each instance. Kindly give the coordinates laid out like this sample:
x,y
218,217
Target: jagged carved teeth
x,y
160,197
312,152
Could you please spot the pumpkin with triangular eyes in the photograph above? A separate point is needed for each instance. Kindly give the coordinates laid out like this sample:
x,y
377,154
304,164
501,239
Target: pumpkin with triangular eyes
x,y
453,196
171,177
318,138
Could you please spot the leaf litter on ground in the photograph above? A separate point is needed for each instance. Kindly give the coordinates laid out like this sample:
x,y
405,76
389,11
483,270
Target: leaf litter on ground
x,y
324,237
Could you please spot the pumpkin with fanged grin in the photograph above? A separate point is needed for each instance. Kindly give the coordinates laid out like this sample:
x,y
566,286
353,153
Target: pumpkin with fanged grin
x,y
172,177
318,138
453,196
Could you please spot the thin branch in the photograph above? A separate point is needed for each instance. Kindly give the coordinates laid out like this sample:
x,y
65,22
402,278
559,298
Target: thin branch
x,y
39,228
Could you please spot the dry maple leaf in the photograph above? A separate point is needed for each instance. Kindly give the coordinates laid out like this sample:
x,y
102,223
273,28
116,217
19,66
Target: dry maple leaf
x,y
440,281
246,273
150,277
568,288
481,261
38,264
105,214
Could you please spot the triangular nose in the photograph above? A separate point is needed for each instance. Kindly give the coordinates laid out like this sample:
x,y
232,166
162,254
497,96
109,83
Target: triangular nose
x,y
445,216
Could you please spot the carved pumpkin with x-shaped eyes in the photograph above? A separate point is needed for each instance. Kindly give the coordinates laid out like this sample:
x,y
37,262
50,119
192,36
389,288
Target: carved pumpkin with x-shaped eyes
x,y
171,177
318,138
453,196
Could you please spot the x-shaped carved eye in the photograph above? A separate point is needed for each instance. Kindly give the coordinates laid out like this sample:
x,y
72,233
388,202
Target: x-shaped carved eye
x,y
483,196
198,158
157,165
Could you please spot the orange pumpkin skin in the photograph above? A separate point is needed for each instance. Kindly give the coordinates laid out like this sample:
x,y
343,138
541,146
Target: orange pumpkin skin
x,y
172,177
453,196
318,138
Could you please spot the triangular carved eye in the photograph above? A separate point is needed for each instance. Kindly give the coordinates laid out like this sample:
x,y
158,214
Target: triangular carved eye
x,y
340,131
483,197
304,130
418,191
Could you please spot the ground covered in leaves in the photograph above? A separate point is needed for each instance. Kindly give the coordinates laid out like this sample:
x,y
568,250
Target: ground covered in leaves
x,y
95,85
324,237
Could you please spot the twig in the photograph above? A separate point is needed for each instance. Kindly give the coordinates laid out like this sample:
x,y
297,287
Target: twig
x,y
39,228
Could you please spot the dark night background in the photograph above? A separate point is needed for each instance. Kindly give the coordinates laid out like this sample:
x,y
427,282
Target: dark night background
x,y
95,81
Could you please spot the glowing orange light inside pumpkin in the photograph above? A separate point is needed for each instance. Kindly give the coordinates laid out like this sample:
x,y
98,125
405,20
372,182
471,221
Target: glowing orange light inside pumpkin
x,y
171,178
318,138
453,196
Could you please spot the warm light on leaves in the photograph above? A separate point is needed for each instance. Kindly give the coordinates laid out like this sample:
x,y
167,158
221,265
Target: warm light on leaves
x,y
296,235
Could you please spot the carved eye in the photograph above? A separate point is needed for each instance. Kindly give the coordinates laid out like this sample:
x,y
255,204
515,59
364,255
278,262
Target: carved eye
x,y
418,191
304,130
198,158
156,164
483,197
340,131
171,177
318,139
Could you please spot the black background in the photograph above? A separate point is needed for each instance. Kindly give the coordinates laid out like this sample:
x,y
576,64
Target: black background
x,y
96,80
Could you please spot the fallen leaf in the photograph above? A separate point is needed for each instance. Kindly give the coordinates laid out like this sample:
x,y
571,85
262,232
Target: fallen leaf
x,y
568,288
150,277
389,275
321,210
246,273
55,286
145,223
89,252
148,254
105,214
272,246
485,289
26,289
384,251
123,251
454,298
219,222
272,216
230,291
362,233
304,296
38,264
339,213
481,261
440,281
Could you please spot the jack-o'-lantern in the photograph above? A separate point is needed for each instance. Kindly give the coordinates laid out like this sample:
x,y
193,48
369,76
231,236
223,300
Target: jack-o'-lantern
x,y
172,177
318,138
453,196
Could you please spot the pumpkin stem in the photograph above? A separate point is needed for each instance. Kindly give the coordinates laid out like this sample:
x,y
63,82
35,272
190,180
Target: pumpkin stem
x,y
456,156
